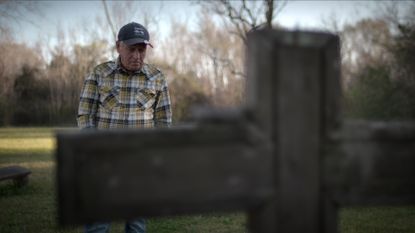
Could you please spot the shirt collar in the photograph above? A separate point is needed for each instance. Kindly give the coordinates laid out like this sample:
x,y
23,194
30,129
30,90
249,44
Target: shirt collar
x,y
118,67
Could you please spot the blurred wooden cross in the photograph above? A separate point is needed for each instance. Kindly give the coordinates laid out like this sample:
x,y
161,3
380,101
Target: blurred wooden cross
x,y
285,157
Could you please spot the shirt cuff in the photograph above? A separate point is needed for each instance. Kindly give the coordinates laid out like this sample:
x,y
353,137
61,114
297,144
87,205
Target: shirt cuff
x,y
85,122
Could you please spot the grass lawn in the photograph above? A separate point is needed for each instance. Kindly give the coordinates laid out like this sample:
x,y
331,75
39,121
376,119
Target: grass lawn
x,y
32,208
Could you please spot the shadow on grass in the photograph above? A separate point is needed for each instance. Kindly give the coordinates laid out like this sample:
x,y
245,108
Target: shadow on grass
x,y
8,188
15,157
31,208
378,219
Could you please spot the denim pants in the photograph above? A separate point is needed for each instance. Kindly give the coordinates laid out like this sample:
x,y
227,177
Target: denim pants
x,y
135,226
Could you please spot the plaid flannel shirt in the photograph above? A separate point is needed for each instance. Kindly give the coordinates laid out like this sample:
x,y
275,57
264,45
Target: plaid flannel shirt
x,y
111,97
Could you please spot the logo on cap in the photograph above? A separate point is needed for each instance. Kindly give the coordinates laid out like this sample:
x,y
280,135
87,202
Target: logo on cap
x,y
138,31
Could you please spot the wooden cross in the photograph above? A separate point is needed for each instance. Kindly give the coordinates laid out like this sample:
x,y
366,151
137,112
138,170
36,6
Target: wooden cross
x,y
287,157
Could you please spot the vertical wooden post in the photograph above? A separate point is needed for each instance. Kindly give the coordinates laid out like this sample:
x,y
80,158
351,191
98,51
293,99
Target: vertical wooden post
x,y
288,73
260,102
331,122
297,94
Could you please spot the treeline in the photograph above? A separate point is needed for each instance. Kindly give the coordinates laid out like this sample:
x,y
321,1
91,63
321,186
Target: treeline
x,y
378,67
36,92
205,66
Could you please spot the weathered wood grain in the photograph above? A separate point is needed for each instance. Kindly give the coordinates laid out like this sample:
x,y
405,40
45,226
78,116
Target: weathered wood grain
x,y
125,174
297,138
372,163
261,98
288,74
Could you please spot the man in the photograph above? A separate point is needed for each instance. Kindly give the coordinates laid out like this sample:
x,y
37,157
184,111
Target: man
x,y
126,93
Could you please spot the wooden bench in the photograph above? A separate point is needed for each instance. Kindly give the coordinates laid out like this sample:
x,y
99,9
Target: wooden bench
x,y
19,175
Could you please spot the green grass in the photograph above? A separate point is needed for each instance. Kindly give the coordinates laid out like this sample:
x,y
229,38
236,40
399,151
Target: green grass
x,y
33,208
378,219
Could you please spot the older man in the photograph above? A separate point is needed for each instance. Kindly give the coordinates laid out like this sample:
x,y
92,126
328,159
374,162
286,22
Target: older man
x,y
125,93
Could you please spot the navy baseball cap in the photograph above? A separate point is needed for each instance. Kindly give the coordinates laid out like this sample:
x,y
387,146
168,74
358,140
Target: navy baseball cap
x,y
134,33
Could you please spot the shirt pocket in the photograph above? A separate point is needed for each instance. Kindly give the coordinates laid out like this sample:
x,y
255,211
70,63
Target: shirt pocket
x,y
108,97
145,98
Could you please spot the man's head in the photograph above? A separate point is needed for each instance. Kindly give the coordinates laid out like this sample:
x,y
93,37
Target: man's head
x,y
132,43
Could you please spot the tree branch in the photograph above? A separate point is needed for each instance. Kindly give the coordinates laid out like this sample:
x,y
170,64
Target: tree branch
x,y
108,17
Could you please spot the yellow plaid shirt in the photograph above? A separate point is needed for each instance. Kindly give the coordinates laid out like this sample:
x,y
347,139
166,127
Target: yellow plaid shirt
x,y
111,97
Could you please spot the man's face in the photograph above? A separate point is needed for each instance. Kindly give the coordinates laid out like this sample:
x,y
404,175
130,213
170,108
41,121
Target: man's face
x,y
132,56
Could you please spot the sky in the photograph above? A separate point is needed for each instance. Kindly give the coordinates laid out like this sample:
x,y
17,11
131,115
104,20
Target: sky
x,y
297,14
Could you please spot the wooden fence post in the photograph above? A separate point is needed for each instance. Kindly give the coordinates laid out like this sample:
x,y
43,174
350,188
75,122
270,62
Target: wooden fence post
x,y
293,83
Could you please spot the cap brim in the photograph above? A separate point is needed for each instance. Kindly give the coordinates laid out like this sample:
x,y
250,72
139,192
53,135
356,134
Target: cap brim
x,y
134,41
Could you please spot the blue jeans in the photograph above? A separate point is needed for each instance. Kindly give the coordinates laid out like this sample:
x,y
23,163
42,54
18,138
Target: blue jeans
x,y
135,226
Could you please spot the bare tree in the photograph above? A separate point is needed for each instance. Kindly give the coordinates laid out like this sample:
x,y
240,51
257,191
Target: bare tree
x,y
118,14
244,16
109,20
18,11
401,19
238,18
212,55
14,57
270,12
372,42
363,44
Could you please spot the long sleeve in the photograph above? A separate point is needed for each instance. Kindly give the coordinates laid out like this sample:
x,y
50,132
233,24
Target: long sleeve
x,y
88,103
163,113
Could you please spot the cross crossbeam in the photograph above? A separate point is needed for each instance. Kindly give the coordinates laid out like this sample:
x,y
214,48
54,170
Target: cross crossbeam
x,y
195,169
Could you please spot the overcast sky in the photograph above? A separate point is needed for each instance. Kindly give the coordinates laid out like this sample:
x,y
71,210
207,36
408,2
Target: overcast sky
x,y
296,14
